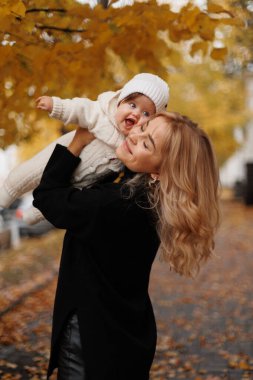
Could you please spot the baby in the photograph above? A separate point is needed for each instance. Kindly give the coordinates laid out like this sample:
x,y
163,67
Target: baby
x,y
109,118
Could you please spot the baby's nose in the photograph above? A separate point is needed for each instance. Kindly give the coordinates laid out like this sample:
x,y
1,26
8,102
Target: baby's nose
x,y
136,112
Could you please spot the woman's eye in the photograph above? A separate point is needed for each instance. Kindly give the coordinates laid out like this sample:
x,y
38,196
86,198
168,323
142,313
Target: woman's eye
x,y
145,145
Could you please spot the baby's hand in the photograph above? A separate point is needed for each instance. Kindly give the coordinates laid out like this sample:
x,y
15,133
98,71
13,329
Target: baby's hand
x,y
44,103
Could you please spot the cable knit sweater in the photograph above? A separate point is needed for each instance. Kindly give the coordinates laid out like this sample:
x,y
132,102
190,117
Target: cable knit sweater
x,y
97,158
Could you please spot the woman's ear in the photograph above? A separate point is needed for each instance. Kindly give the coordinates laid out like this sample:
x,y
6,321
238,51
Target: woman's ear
x,y
155,177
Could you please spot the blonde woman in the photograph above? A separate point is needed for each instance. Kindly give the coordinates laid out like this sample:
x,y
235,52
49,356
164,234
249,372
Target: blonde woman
x,y
104,326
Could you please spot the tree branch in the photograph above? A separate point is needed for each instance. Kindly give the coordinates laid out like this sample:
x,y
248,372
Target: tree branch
x,y
65,30
104,3
45,10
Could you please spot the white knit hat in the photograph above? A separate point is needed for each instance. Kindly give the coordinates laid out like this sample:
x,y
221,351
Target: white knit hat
x,y
150,85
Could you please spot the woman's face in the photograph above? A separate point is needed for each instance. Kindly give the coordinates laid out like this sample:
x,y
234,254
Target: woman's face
x,y
141,150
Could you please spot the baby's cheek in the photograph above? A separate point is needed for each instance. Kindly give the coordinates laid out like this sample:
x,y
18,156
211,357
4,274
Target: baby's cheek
x,y
143,120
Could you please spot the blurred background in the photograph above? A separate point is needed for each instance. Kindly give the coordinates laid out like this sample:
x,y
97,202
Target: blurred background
x,y
204,51
81,48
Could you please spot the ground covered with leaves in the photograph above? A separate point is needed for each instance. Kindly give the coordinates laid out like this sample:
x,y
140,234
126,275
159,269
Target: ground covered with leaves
x,y
205,326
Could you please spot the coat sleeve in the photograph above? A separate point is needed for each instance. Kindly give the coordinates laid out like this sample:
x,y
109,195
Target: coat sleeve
x,y
61,204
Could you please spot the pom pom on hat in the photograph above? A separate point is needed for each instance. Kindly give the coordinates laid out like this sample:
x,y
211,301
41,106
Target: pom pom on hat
x,y
150,85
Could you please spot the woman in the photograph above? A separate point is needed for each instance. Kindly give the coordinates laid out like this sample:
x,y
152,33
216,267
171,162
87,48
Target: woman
x,y
103,326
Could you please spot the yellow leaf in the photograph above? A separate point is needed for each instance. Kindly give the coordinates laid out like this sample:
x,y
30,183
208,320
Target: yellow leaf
x,y
206,27
244,365
203,46
13,7
232,364
4,11
189,16
219,54
28,26
216,8
233,21
18,8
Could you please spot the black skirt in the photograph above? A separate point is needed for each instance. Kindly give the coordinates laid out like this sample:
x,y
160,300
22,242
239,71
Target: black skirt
x,y
70,358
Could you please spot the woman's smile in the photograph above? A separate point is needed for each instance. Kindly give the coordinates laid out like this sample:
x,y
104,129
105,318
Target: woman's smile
x,y
140,151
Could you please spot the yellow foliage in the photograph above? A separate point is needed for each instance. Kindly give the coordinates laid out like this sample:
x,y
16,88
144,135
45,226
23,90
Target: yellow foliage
x,y
233,21
219,53
206,27
196,46
68,49
189,17
46,132
215,102
14,8
217,8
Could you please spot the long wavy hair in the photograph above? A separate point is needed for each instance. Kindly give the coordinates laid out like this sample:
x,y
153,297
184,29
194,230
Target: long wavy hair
x,y
186,199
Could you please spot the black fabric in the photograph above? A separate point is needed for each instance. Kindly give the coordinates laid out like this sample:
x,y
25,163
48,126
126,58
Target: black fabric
x,y
107,255
70,358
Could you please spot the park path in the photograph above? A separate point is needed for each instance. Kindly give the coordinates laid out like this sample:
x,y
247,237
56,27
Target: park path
x,y
205,326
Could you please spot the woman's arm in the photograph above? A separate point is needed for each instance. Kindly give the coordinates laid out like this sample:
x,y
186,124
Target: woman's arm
x,y
63,205
81,138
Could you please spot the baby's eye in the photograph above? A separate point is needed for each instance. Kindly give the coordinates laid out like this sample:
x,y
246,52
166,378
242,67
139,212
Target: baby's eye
x,y
132,105
146,114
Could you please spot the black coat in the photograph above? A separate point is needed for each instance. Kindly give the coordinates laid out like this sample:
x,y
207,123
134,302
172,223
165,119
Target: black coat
x,y
108,251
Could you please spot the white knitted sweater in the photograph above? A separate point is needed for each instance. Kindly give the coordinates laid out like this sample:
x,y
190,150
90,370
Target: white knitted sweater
x,y
97,158
98,117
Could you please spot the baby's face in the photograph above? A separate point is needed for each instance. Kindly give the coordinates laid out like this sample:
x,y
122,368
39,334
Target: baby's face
x,y
132,112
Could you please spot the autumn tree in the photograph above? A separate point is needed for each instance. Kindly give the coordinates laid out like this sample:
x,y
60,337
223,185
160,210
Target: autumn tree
x,y
240,41
69,49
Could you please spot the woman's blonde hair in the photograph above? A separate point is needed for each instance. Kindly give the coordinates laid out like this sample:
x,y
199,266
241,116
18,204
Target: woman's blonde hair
x,y
186,198
187,201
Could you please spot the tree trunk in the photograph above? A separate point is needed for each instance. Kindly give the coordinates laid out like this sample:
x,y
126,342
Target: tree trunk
x,y
104,3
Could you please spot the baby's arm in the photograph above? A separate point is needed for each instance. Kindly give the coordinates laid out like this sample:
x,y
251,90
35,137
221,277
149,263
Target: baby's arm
x,y
45,103
85,113
81,111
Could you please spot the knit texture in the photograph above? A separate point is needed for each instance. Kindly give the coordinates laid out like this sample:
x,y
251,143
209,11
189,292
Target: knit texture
x,y
150,85
97,158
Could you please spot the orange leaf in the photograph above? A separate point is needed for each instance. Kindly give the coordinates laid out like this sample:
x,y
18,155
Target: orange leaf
x,y
203,46
219,54
216,8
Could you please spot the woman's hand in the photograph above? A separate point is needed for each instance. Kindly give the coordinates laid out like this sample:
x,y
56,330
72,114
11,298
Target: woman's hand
x,y
44,103
81,138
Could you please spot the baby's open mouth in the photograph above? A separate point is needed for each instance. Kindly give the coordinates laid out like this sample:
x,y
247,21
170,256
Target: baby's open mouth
x,y
129,122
